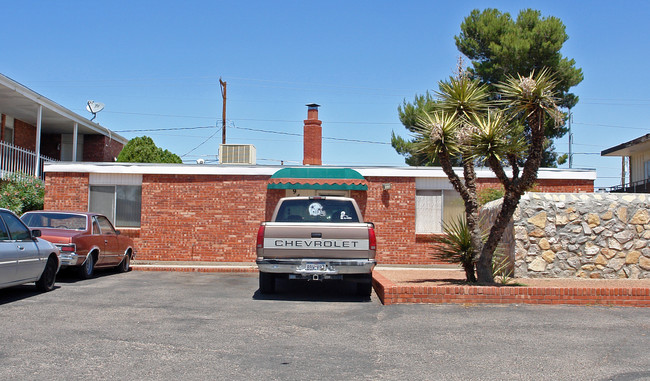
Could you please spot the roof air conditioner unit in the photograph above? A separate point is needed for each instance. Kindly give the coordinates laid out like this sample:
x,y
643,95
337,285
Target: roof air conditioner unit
x,y
237,154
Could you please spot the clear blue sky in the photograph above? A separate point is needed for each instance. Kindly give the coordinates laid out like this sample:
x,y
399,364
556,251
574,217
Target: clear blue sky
x,y
157,64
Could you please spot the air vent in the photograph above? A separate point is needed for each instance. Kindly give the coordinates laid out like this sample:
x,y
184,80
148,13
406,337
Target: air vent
x,y
237,154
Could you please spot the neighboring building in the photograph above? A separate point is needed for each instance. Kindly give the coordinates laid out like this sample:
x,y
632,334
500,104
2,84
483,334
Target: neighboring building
x,y
34,129
637,153
183,212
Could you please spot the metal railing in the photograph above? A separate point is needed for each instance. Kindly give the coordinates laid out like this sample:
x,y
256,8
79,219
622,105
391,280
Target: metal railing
x,y
642,186
15,159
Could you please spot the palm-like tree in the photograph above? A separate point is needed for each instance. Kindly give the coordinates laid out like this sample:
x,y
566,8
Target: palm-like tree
x,y
446,133
531,99
463,125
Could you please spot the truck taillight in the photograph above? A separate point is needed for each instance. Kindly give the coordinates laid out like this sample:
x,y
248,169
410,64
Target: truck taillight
x,y
372,238
260,237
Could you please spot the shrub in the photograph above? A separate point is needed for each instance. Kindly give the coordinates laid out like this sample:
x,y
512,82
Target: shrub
x,y
489,194
21,193
456,246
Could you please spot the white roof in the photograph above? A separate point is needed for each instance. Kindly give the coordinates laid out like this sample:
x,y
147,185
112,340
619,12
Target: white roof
x,y
268,170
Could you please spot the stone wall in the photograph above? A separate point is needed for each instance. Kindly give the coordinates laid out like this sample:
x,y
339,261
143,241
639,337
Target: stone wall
x,y
580,236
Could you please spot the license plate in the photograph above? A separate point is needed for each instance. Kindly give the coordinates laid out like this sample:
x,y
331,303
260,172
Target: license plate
x,y
315,266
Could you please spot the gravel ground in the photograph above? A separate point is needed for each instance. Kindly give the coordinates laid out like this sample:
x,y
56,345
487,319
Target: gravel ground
x,y
442,277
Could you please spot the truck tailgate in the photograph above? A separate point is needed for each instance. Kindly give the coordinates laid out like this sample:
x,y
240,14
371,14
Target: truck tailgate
x,y
316,240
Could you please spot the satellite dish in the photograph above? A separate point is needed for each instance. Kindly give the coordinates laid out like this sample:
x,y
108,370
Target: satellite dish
x,y
200,161
94,107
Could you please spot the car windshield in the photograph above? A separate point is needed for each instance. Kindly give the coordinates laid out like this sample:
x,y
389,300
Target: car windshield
x,y
317,210
55,221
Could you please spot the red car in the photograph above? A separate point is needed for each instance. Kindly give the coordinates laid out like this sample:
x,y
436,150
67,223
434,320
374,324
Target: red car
x,y
86,240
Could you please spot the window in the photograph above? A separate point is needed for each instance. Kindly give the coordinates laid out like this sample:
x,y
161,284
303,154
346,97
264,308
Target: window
x,y
9,130
4,233
647,170
105,225
120,203
17,230
317,210
434,208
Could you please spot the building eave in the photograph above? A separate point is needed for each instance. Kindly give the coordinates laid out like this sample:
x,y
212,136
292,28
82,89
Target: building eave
x,y
628,148
17,91
258,170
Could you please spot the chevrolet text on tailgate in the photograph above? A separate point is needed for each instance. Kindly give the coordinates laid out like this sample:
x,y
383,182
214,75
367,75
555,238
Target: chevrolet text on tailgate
x,y
316,238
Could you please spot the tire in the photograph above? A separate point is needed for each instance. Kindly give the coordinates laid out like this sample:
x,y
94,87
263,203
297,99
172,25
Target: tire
x,y
125,265
87,269
364,286
267,283
48,277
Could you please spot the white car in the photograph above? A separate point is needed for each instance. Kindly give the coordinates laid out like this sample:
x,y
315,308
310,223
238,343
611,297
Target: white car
x,y
24,257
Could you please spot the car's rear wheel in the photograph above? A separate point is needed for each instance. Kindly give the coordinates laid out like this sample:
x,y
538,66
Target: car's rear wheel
x,y
48,277
125,265
267,283
87,270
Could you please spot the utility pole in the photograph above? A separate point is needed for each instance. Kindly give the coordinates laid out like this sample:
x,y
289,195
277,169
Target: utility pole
x,y
223,113
570,142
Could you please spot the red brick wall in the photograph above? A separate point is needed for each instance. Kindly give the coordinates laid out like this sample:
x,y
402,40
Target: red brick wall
x,y
100,148
393,213
201,218
547,185
66,191
24,135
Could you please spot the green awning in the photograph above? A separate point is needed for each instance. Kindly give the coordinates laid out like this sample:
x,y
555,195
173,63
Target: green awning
x,y
318,178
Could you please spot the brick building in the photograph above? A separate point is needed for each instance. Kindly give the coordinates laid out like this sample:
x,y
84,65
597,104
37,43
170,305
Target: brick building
x,y
34,129
192,212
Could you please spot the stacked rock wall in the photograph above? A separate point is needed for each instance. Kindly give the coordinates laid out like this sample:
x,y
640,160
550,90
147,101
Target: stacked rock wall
x,y
579,235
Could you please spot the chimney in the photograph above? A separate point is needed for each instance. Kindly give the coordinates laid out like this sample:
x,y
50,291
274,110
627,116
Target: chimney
x,y
312,137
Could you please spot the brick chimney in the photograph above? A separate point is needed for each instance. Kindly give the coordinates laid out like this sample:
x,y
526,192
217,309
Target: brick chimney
x,y
312,137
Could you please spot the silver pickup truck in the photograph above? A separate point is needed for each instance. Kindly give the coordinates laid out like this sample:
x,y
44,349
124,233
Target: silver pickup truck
x,y
316,238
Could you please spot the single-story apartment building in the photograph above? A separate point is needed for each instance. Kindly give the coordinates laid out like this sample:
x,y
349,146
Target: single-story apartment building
x,y
200,212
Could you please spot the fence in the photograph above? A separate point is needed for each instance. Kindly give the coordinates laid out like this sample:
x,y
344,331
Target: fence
x,y
19,160
642,186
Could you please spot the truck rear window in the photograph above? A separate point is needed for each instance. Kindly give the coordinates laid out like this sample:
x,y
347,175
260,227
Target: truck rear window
x,y
321,210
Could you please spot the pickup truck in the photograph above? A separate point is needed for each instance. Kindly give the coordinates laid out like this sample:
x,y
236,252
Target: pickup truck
x,y
316,238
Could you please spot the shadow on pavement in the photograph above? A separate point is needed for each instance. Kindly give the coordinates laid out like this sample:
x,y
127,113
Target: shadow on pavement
x,y
16,293
313,291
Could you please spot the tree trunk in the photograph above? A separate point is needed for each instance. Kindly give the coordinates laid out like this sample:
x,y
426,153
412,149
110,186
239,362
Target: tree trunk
x,y
469,273
513,192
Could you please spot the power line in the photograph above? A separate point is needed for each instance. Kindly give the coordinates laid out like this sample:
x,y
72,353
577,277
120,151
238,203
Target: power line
x,y
295,134
167,129
612,126
202,143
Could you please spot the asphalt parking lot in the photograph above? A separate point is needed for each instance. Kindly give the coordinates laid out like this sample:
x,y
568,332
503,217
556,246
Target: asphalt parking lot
x,y
205,326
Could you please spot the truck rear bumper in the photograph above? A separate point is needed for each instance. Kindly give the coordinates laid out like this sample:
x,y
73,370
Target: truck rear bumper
x,y
316,266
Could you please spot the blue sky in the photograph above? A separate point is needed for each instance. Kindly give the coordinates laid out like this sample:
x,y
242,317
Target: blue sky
x,y
156,66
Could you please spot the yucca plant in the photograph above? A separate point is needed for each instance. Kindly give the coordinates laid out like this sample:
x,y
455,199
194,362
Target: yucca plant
x,y
456,246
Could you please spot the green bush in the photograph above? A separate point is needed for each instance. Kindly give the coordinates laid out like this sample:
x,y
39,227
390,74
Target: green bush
x,y
21,193
489,194
456,246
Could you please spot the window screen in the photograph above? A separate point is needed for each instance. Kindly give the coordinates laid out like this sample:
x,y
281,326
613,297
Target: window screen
x,y
102,200
428,211
127,210
120,203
